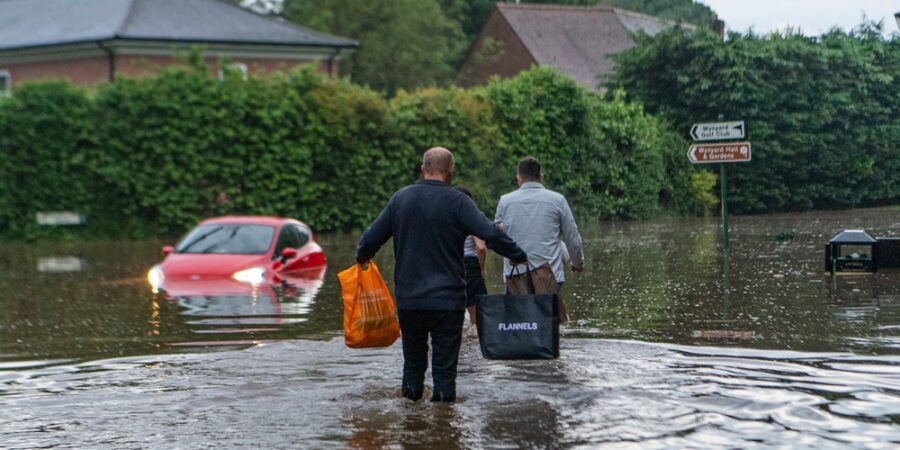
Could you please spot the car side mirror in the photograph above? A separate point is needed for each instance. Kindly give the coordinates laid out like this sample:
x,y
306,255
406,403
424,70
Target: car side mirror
x,y
288,253
167,249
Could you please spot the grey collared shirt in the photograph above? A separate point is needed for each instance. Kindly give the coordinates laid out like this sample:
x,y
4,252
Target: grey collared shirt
x,y
540,221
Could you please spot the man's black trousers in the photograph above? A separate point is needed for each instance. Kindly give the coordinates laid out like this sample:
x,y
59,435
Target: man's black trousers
x,y
445,328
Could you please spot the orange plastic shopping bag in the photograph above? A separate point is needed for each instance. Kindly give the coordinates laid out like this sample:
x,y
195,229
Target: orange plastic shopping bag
x,y
370,318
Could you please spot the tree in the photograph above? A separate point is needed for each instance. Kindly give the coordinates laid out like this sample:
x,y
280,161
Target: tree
x,y
404,44
678,10
408,44
821,111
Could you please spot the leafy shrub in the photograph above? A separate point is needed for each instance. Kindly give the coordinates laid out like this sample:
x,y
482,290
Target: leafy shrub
x,y
153,155
46,137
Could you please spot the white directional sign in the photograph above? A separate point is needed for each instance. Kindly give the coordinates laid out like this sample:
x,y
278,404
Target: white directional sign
x,y
718,131
61,218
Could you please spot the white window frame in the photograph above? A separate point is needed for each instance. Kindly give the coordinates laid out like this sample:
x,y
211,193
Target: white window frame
x,y
242,67
4,73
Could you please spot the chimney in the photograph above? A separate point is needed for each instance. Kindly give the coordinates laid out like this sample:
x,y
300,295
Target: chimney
x,y
717,26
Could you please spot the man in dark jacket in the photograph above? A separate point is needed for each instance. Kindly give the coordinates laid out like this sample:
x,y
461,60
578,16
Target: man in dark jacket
x,y
429,222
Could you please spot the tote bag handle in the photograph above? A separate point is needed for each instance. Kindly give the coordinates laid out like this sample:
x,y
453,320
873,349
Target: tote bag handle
x,y
528,269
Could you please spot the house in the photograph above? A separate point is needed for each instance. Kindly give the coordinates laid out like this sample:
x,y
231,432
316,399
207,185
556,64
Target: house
x,y
578,40
90,41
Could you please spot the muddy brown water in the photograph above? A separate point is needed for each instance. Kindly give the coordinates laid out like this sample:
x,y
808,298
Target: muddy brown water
x,y
666,349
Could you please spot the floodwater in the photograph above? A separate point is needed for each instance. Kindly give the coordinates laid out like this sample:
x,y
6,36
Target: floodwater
x,y
669,347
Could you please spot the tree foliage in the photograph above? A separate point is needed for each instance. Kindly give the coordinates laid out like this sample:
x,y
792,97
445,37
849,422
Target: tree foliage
x,y
46,137
152,156
821,112
678,10
403,43
409,44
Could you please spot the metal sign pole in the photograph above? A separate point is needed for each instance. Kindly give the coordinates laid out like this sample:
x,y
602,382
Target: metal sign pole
x,y
720,153
723,180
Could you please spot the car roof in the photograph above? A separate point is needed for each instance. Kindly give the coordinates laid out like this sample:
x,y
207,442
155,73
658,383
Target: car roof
x,y
256,220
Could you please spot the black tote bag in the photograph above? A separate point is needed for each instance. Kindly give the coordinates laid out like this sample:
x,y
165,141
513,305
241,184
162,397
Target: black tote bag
x,y
518,326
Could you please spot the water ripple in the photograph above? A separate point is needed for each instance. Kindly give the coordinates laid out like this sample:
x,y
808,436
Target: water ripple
x,y
600,393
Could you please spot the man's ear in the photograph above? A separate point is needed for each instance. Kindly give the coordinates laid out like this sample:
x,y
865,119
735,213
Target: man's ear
x,y
542,178
519,179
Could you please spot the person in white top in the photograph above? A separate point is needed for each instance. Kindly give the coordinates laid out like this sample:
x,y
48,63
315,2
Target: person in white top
x,y
474,253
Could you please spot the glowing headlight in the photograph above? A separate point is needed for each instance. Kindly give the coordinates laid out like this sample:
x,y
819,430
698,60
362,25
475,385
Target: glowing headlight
x,y
252,275
155,277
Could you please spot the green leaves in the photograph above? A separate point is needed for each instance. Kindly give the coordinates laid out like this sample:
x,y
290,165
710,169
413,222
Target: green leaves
x,y
822,113
404,44
45,142
154,155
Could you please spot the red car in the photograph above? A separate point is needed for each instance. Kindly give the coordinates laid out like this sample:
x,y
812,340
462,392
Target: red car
x,y
245,249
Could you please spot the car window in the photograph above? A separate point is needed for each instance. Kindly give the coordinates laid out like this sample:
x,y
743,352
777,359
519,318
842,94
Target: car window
x,y
303,234
241,239
289,237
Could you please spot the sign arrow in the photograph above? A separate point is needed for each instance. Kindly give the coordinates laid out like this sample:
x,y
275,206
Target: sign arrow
x,y
718,131
719,153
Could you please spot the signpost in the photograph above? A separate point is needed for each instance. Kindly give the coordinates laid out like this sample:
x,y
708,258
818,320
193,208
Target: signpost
x,y
720,152
57,218
719,131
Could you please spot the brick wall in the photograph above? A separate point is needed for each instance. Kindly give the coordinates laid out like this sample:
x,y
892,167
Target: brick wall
x,y
133,66
89,71
85,71
506,57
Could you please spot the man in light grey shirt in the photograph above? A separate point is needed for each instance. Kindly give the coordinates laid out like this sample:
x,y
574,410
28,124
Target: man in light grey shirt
x,y
540,221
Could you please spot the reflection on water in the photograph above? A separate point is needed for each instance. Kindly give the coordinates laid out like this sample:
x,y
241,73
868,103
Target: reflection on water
x,y
609,392
760,350
60,264
279,304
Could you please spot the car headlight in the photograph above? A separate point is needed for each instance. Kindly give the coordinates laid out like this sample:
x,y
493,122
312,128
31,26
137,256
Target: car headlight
x,y
252,275
155,277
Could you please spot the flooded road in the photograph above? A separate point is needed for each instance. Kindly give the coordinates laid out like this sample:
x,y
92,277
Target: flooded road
x,y
668,348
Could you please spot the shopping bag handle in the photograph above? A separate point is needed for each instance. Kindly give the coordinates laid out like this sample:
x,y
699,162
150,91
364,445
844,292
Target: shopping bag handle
x,y
529,267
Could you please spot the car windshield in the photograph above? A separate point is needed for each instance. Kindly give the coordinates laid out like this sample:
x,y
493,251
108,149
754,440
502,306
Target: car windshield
x,y
241,239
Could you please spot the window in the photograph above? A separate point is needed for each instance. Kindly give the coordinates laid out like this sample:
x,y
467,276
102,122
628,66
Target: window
x,y
239,239
291,236
233,69
304,235
5,82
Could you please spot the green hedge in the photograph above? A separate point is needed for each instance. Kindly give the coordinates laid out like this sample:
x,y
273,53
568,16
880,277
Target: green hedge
x,y
47,136
152,156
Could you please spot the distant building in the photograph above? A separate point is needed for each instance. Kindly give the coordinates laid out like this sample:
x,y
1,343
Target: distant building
x,y
89,41
577,40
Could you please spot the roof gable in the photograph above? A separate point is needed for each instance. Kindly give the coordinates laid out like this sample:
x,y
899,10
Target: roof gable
x,y
34,23
577,39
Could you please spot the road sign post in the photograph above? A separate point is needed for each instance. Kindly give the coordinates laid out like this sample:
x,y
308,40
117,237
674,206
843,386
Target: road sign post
x,y
723,180
720,153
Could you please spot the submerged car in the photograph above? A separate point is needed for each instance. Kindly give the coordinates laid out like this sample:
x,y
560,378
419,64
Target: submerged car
x,y
243,249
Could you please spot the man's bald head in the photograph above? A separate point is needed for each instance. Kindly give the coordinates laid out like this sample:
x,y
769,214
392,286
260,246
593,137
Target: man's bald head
x,y
437,162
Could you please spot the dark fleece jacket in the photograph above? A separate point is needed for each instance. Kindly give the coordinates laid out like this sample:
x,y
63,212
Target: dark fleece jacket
x,y
429,222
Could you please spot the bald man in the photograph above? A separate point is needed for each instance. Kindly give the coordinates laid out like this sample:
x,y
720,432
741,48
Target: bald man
x,y
429,222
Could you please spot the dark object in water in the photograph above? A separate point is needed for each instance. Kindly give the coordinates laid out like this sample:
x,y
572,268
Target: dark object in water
x,y
887,253
850,251
787,235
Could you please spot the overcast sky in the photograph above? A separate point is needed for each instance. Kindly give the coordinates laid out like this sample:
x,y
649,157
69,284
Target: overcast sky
x,y
813,16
